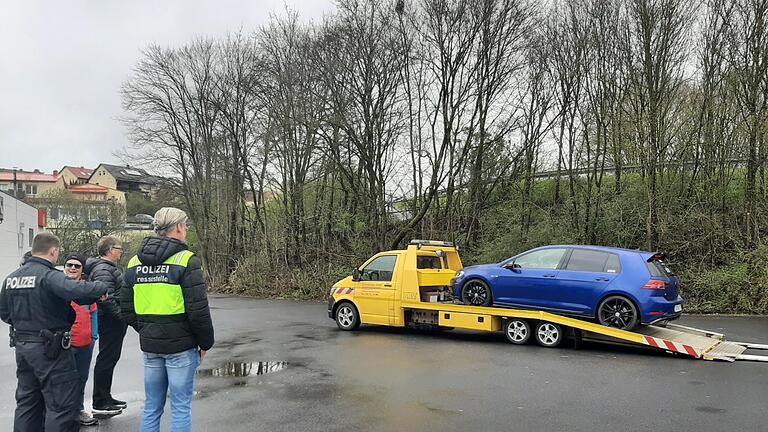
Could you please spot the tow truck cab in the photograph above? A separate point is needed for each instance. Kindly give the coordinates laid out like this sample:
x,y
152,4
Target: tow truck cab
x,y
380,287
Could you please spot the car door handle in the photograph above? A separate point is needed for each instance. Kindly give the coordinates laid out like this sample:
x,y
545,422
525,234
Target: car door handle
x,y
387,285
549,275
602,279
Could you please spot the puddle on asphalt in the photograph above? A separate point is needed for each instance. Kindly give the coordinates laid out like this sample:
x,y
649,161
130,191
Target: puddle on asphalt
x,y
243,369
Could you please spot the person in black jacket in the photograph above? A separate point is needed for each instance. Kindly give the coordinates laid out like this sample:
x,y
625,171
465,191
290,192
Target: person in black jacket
x,y
111,329
164,297
35,300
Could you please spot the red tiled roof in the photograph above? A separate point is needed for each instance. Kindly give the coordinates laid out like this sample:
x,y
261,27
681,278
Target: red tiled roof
x,y
88,188
23,176
80,172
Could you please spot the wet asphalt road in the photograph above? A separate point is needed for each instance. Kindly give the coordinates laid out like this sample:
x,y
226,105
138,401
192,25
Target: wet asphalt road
x,y
379,379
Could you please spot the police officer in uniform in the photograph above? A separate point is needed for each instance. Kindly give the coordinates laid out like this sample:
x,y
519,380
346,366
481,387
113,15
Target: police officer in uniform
x,y
35,300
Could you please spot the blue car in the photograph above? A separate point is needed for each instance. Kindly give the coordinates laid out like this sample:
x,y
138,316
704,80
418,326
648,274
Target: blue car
x,y
617,287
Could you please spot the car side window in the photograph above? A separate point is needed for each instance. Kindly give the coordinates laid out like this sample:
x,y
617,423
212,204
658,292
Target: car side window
x,y
541,259
593,261
380,269
613,265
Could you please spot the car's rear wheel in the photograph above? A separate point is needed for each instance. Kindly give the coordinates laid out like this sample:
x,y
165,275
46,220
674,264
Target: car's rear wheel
x,y
548,334
347,317
476,293
619,312
517,331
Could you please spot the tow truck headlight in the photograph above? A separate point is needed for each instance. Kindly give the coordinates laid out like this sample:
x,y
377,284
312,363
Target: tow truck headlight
x,y
330,294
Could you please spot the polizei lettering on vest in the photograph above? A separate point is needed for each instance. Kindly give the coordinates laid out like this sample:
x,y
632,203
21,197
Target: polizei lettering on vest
x,y
152,274
149,270
21,282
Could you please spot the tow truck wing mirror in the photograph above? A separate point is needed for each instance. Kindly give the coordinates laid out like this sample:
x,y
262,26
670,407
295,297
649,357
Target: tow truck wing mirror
x,y
356,275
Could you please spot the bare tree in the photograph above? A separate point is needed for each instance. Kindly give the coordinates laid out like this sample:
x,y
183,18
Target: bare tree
x,y
747,34
655,42
173,121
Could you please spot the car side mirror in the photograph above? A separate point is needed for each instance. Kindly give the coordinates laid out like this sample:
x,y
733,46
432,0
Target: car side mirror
x,y
356,275
515,267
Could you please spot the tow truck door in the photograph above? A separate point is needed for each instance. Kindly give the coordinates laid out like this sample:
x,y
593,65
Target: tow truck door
x,y
374,292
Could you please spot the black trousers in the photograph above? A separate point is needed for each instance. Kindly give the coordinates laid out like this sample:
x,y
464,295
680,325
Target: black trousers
x,y
47,391
111,335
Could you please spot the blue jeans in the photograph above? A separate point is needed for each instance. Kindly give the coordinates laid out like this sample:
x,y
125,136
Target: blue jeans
x,y
83,364
174,371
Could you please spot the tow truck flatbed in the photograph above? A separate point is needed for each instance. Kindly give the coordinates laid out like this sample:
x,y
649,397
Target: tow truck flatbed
x,y
414,296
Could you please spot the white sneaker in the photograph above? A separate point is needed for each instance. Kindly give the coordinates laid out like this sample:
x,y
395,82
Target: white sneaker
x,y
86,419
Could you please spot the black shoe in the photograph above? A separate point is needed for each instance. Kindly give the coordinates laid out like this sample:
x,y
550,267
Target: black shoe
x,y
106,411
119,403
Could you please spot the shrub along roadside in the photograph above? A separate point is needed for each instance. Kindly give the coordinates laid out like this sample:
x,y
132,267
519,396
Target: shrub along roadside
x,y
738,288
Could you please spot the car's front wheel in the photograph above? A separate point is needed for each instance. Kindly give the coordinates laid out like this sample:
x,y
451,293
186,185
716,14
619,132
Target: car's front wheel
x,y
619,312
476,293
347,317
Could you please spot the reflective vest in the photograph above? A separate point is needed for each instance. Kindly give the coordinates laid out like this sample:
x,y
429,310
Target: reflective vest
x,y
157,290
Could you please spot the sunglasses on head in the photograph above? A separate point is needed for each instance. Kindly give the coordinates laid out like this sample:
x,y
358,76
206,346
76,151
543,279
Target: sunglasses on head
x,y
73,265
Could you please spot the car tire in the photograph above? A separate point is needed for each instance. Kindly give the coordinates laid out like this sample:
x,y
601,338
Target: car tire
x,y
517,331
476,293
548,334
347,317
618,312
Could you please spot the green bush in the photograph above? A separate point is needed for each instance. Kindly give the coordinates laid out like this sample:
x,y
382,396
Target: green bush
x,y
740,287
313,281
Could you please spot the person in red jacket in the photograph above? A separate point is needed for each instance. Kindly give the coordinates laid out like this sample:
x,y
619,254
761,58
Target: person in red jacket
x,y
84,333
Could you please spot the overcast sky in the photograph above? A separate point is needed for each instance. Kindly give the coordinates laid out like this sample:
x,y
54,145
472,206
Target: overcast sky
x,y
62,64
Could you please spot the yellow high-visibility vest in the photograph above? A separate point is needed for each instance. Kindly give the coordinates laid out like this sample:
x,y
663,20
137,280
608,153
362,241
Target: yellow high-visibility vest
x,y
157,289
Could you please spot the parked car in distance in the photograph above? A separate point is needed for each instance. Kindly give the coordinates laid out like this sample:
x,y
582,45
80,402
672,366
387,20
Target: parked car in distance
x,y
619,288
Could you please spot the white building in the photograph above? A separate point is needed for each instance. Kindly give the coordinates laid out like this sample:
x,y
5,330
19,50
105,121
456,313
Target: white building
x,y
19,223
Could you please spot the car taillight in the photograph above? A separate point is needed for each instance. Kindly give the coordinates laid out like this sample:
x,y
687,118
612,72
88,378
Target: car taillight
x,y
655,285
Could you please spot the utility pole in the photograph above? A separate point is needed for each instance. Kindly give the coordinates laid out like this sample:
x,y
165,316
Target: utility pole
x,y
15,187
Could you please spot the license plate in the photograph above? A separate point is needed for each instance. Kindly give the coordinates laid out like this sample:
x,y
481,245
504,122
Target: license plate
x,y
678,308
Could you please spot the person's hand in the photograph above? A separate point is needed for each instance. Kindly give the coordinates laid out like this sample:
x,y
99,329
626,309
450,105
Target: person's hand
x,y
202,355
103,298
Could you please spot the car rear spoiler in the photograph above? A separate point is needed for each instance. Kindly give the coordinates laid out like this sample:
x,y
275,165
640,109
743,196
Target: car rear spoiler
x,y
657,256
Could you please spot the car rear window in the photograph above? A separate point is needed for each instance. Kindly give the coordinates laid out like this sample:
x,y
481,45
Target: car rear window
x,y
593,261
659,268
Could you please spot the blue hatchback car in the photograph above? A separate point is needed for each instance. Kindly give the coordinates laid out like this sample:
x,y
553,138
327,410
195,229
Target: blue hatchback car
x,y
620,288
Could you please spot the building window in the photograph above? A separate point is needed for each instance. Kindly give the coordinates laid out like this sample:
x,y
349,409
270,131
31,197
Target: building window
x,y
31,236
30,189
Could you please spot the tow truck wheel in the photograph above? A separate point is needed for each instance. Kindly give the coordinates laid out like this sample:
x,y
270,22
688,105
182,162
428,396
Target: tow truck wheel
x,y
517,331
476,293
548,334
347,317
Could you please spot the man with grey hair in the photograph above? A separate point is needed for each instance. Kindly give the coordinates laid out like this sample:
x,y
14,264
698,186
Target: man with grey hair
x,y
165,298
112,328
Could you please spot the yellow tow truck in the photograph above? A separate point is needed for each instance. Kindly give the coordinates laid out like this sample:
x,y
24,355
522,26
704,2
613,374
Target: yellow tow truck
x,y
412,288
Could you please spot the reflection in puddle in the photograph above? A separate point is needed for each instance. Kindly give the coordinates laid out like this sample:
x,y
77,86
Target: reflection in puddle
x,y
243,369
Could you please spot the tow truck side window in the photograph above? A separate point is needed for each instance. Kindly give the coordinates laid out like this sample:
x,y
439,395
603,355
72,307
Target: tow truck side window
x,y
380,269
428,262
